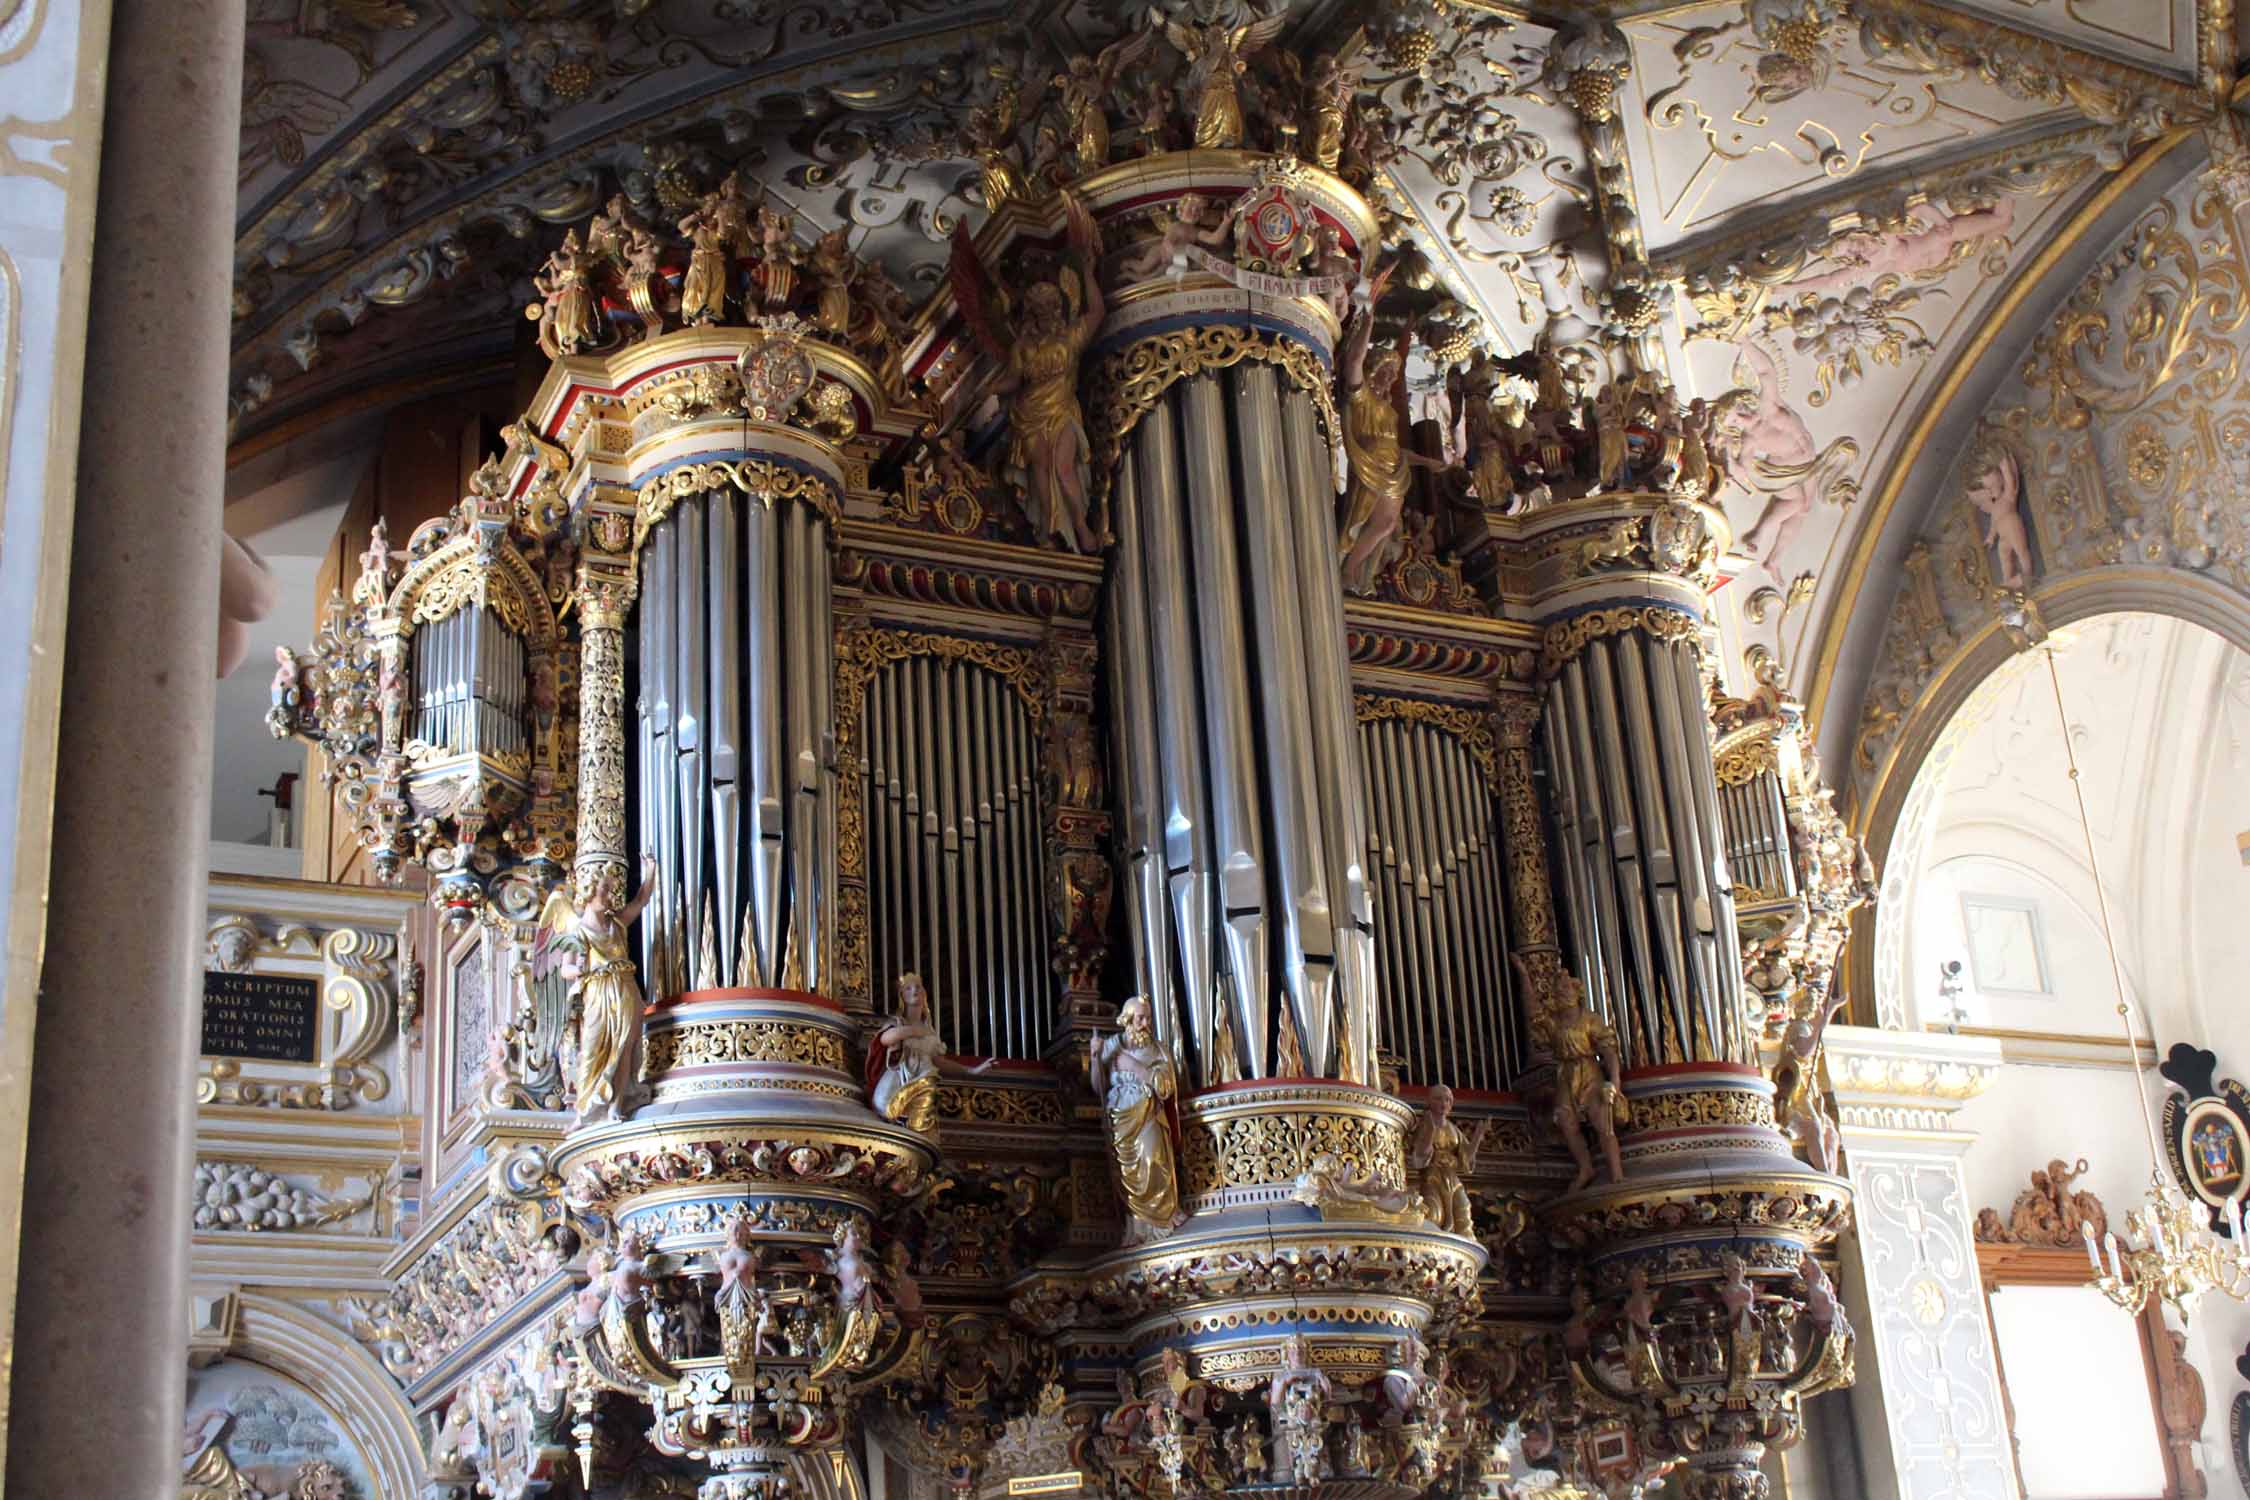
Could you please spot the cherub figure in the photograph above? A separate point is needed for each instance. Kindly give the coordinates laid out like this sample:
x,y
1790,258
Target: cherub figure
x,y
1331,259
586,1305
629,1281
1049,455
1190,223
609,996
1995,492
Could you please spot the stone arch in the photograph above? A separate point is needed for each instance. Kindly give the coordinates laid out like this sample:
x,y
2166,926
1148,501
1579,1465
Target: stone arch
x,y
2117,448
1892,813
326,1361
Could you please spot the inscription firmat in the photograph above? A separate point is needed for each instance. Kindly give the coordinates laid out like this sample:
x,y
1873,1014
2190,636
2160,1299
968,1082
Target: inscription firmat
x,y
270,1017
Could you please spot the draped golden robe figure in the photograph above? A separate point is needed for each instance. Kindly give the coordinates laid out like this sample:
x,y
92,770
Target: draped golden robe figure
x,y
609,995
1379,460
1085,86
1587,1088
703,291
1048,453
1138,1083
1440,1155
1220,54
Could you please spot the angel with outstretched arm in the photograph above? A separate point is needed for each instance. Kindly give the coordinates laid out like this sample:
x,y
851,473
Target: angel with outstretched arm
x,y
1048,453
609,1023
1373,441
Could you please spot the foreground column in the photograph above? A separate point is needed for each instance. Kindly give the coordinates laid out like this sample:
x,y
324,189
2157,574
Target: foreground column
x,y
102,1299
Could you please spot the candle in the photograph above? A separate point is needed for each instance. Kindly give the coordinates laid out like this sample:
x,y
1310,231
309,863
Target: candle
x,y
2109,1243
2093,1257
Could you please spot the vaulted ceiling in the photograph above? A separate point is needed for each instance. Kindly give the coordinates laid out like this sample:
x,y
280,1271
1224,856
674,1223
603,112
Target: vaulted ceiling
x,y
1834,206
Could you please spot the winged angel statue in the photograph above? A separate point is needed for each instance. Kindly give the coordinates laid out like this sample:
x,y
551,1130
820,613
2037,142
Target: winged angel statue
x,y
608,993
1048,454
1218,53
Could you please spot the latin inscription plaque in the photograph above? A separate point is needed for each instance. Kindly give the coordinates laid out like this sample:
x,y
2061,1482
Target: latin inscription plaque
x,y
270,1017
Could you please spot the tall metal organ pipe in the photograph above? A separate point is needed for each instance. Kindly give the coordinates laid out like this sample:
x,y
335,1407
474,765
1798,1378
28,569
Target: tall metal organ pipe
x,y
733,765
1247,897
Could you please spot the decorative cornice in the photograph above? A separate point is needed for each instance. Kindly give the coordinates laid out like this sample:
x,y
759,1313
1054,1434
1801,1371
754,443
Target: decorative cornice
x,y
1905,1082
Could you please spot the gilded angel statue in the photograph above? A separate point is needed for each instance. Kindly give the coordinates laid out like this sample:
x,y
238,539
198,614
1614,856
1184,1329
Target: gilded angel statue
x,y
609,1023
1218,54
1048,456
1374,426
1084,89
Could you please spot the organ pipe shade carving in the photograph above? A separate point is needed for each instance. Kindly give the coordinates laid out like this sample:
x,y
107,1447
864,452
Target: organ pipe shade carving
x,y
954,851
469,685
1441,926
1644,869
734,761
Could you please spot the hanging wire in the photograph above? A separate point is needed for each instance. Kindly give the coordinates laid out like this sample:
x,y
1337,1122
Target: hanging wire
x,y
2101,904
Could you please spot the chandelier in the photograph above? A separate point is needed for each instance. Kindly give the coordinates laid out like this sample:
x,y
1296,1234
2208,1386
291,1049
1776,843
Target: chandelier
x,y
2169,1250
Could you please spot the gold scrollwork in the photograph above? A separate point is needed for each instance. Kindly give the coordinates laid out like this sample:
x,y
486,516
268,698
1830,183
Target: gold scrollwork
x,y
1129,381
989,1106
1702,1107
1257,1150
701,1044
761,479
1472,728
1566,638
1742,761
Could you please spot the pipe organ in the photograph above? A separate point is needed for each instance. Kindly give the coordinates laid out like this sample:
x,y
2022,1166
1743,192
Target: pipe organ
x,y
1248,878
735,755
954,844
1441,929
1645,879
1038,955
470,680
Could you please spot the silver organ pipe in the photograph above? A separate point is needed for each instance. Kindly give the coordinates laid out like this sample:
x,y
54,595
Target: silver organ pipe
x,y
1227,644
1644,870
734,765
954,836
1440,922
1754,828
467,684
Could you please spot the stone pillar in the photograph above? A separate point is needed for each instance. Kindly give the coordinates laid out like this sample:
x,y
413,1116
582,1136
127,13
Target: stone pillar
x,y
101,1333
1927,1402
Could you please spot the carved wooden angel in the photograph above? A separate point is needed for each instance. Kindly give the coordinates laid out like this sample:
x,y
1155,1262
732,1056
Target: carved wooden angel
x,y
1218,54
1084,88
609,1024
1048,455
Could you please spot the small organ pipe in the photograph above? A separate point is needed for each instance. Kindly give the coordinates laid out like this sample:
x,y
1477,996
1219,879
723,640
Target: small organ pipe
x,y
687,729
764,796
1290,775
